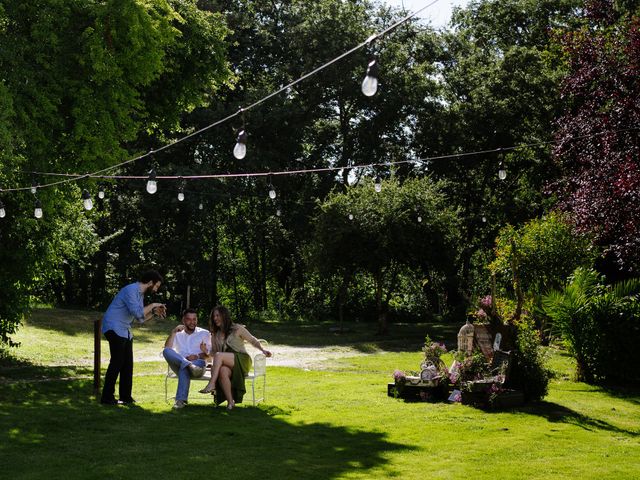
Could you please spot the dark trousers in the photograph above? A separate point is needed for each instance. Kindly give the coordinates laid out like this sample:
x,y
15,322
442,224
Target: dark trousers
x,y
121,363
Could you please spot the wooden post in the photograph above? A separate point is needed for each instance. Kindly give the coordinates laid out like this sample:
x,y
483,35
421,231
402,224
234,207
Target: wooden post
x,y
97,334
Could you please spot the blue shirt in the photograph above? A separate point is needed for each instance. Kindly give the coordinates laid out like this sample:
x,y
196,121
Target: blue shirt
x,y
126,305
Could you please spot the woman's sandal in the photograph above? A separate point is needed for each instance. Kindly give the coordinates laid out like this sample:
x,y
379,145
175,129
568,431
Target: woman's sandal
x,y
230,405
208,389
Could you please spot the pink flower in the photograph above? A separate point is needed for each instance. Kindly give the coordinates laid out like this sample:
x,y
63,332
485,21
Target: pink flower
x,y
485,303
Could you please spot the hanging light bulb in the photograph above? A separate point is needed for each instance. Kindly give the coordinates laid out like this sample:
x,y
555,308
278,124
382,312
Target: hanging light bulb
x,y
2,211
502,172
152,185
370,82
181,190
240,150
272,191
278,213
37,212
351,216
86,200
484,219
378,184
34,187
200,206
101,192
419,219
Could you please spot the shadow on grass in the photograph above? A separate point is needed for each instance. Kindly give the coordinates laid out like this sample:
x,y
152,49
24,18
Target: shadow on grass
x,y
361,336
68,322
62,426
556,413
629,394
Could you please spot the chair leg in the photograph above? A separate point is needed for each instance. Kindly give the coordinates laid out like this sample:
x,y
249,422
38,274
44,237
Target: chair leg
x,y
253,390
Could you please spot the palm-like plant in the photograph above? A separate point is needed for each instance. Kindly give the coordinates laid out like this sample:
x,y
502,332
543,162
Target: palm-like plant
x,y
594,320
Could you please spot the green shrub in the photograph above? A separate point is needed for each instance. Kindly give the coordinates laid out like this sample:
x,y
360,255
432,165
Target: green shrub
x,y
528,372
600,325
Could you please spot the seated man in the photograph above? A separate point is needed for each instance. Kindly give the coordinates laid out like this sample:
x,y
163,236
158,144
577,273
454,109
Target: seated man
x,y
183,353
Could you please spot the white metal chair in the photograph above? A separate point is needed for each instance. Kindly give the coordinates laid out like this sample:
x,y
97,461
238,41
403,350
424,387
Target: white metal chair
x,y
259,370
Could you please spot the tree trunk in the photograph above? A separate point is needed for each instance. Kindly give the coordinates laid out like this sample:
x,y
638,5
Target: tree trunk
x,y
234,277
215,248
383,326
515,265
263,272
342,295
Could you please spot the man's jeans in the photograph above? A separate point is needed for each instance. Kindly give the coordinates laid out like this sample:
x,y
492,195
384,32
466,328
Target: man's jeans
x,y
180,365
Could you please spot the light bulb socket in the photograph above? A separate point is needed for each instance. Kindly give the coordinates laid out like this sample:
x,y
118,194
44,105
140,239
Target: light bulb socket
x,y
372,68
242,137
86,195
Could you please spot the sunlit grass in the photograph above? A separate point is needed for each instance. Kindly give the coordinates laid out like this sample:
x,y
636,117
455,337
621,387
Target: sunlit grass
x,y
316,424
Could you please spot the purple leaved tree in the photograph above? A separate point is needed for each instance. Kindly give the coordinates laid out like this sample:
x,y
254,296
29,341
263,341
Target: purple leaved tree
x,y
598,138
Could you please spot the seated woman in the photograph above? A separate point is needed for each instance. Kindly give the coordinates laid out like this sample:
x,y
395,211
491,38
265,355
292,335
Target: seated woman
x,y
231,362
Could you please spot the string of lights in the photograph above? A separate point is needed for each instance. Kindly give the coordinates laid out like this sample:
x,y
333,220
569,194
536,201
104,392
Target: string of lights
x,y
424,160
152,178
369,87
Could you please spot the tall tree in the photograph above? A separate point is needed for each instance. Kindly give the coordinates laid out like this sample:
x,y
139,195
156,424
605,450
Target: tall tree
x,y
405,225
500,86
598,145
83,84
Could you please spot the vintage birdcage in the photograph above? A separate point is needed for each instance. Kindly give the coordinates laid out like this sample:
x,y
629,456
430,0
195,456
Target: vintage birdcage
x,y
465,338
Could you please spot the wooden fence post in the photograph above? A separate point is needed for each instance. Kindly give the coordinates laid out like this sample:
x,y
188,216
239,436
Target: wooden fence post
x,y
97,334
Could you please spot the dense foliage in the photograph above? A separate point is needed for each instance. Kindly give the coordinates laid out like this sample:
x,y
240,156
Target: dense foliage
x,y
83,84
528,371
542,253
600,325
88,84
382,234
598,145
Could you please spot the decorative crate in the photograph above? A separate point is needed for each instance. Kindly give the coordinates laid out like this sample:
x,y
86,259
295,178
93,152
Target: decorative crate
x,y
421,392
499,400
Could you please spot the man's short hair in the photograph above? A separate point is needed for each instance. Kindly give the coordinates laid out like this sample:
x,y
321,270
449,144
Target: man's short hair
x,y
189,310
150,276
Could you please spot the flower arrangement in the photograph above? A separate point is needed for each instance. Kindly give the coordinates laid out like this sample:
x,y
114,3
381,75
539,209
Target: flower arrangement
x,y
433,350
399,377
432,353
485,312
472,367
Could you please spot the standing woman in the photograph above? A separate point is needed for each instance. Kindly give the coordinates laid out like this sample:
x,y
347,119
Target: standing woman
x,y
231,362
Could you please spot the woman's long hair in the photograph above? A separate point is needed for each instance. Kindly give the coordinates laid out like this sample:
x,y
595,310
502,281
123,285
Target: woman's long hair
x,y
227,323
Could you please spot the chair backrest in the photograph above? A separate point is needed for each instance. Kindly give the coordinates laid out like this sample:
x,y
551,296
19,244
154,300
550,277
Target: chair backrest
x,y
260,360
259,364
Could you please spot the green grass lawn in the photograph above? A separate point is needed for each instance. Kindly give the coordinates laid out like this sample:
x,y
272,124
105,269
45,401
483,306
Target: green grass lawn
x,y
315,424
